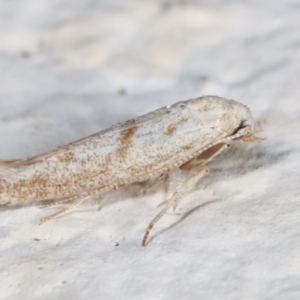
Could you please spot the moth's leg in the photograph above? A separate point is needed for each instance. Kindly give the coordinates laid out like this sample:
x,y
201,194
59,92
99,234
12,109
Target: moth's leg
x,y
80,200
165,181
199,163
64,210
196,173
184,187
166,177
197,169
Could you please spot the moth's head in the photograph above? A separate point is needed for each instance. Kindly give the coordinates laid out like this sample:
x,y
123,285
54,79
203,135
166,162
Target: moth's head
x,y
234,117
246,128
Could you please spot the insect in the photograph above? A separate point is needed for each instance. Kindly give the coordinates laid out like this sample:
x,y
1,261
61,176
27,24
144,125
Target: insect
x,y
186,135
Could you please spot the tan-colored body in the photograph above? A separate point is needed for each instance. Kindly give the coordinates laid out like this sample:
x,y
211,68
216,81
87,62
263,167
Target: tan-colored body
x,y
186,135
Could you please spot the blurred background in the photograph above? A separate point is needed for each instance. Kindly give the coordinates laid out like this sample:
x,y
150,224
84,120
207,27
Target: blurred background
x,y
71,68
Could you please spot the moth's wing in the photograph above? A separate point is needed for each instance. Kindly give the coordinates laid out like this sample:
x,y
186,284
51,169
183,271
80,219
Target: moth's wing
x,y
155,116
149,130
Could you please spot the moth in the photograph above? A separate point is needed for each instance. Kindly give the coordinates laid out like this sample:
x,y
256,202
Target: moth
x,y
186,136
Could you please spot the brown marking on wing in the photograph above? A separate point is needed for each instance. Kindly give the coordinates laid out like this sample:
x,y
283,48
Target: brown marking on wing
x,y
59,179
23,189
129,123
46,186
126,140
171,129
66,157
105,167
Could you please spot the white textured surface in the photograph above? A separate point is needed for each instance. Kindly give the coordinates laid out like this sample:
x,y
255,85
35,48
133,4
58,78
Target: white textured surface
x,y
62,67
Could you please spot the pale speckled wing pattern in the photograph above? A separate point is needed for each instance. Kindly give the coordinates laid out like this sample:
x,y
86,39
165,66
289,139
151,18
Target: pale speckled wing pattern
x,y
127,152
186,135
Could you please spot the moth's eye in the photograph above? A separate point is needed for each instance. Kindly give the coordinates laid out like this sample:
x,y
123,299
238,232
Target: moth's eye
x,y
242,125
